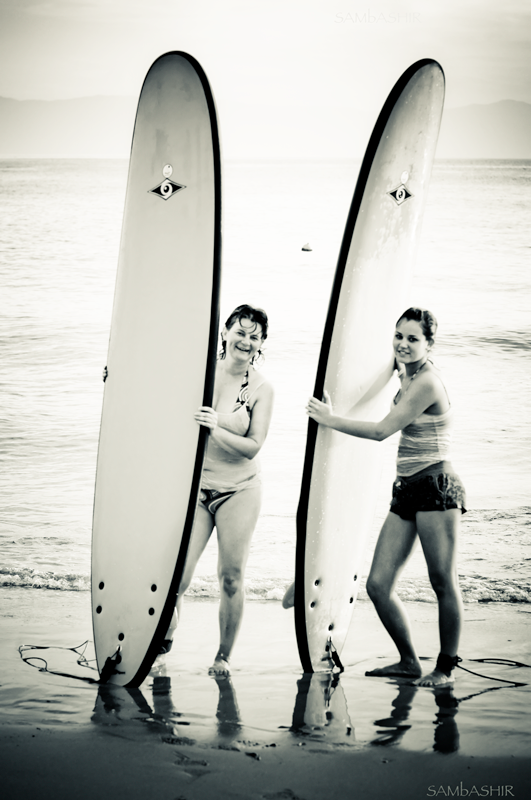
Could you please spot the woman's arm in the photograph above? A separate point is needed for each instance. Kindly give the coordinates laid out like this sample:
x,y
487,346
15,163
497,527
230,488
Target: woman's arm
x,y
420,396
249,445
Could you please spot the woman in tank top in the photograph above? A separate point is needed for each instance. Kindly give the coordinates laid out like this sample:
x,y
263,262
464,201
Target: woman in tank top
x,y
428,497
230,493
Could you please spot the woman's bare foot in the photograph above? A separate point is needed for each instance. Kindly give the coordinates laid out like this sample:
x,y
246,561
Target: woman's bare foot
x,y
402,669
288,601
220,667
435,678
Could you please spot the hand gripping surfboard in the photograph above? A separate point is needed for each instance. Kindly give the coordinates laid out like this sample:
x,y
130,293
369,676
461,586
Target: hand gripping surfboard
x,y
370,290
161,367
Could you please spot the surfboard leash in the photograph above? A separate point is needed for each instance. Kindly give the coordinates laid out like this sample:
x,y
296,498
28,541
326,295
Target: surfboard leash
x,y
109,668
503,661
81,660
333,655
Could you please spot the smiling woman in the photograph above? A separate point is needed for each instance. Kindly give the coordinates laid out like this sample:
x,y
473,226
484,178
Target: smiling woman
x,y
428,497
231,494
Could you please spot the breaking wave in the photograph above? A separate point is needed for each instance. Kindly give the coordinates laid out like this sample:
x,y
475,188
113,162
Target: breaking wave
x,y
475,589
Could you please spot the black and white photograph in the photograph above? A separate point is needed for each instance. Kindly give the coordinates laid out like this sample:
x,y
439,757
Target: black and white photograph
x,y
265,375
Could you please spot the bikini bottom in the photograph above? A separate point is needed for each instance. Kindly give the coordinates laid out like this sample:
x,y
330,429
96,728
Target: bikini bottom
x,y
211,499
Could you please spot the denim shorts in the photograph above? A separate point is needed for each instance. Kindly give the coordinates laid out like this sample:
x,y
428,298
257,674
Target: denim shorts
x,y
436,488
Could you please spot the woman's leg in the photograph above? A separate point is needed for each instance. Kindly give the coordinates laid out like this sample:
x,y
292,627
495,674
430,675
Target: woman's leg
x,y
235,523
438,531
393,549
203,526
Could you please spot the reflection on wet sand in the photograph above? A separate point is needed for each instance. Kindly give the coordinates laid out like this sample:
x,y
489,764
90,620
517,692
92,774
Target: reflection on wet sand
x,y
446,732
321,709
117,705
394,724
227,713
320,713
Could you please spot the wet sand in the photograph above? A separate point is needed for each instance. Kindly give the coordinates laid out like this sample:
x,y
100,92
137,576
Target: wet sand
x,y
268,732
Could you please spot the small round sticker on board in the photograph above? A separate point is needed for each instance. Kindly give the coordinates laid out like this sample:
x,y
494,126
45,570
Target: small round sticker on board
x,y
168,169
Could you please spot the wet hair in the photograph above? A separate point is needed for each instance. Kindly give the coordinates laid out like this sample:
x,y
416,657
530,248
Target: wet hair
x,y
426,320
256,315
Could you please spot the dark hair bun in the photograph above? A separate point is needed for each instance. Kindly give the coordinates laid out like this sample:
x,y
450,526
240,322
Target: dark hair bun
x,y
426,320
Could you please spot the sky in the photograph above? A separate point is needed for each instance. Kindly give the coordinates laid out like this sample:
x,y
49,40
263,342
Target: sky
x,y
278,68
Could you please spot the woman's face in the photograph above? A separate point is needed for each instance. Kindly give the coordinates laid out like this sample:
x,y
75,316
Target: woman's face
x,y
410,344
243,339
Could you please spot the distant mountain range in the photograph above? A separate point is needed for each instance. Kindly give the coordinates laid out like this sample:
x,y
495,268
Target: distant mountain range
x,y
86,126
102,127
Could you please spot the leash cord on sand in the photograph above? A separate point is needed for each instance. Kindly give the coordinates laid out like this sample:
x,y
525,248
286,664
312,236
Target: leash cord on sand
x,y
82,661
503,661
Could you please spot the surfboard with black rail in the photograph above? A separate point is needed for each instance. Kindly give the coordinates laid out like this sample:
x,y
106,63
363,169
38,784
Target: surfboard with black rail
x,y
161,367
370,290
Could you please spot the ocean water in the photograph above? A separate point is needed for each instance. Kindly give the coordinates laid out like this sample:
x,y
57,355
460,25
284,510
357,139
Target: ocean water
x,y
60,223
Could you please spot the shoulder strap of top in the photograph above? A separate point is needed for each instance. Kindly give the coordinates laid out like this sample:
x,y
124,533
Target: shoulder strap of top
x,y
255,389
243,395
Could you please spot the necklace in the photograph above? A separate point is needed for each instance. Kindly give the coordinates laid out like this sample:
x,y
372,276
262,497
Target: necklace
x,y
402,391
418,370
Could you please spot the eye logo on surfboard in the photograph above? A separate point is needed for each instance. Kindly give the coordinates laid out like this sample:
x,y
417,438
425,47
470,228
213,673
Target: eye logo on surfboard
x,y
167,188
401,194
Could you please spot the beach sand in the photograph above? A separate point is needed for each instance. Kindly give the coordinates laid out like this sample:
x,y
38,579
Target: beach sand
x,y
269,732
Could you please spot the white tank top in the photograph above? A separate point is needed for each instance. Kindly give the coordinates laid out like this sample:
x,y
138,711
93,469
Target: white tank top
x,y
424,442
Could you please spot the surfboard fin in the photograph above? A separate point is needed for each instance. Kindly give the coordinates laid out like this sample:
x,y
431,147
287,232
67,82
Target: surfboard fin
x,y
109,668
333,655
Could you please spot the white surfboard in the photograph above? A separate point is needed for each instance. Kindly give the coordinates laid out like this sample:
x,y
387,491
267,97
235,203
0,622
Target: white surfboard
x,y
370,291
161,366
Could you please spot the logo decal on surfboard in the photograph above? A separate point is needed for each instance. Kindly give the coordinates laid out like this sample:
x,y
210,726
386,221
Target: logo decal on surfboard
x,y
400,194
167,189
